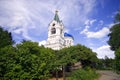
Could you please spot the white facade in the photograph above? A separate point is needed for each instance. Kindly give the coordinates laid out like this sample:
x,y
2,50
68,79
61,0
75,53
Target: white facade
x,y
57,39
68,41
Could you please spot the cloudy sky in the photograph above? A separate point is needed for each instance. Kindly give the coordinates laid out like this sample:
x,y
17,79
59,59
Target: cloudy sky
x,y
87,20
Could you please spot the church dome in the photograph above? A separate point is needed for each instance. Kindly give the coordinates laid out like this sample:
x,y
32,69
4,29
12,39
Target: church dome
x,y
68,35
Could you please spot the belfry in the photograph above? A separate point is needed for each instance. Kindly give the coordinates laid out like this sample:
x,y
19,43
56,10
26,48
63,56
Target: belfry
x,y
57,38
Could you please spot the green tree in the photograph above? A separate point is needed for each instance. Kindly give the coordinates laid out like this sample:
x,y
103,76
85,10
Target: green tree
x,y
114,40
75,54
5,38
36,60
117,17
8,60
114,35
117,59
83,54
62,59
26,61
107,63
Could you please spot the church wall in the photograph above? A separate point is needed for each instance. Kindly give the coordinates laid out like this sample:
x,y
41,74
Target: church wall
x,y
56,39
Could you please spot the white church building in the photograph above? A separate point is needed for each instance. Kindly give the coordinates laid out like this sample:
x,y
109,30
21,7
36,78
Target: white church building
x,y
57,38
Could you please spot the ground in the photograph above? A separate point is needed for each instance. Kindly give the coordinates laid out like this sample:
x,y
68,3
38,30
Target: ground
x,y
108,75
104,75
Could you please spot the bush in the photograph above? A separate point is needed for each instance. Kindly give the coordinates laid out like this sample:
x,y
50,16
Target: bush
x,y
117,59
83,74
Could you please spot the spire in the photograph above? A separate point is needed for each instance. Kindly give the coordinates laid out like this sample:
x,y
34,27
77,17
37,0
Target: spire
x,y
56,18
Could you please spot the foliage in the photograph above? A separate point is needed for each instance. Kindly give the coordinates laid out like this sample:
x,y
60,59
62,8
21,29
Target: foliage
x,y
117,59
8,60
83,54
83,74
114,40
5,38
106,64
26,61
74,54
114,35
117,16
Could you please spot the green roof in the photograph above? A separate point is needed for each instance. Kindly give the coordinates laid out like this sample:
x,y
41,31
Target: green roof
x,y
56,18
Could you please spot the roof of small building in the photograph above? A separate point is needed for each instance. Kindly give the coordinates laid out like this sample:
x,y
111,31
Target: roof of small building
x,y
68,35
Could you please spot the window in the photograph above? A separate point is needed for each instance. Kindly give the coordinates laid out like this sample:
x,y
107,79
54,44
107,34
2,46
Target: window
x,y
53,24
61,31
67,41
53,31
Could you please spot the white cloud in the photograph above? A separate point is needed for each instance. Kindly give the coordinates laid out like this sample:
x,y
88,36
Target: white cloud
x,y
42,42
101,22
22,16
94,34
104,51
99,34
87,22
90,22
110,25
66,30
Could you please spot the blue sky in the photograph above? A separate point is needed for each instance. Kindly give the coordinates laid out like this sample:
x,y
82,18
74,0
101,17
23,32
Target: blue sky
x,y
87,20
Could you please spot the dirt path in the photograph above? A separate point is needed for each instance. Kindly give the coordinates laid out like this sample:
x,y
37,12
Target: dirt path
x,y
108,75
104,75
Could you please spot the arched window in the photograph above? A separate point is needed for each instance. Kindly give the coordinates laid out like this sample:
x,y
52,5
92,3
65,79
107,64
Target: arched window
x,y
61,31
53,24
53,31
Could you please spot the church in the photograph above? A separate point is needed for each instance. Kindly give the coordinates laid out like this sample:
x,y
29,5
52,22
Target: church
x,y
57,38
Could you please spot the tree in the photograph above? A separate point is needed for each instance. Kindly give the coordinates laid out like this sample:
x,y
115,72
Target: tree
x,y
8,62
83,54
114,40
117,59
117,17
114,35
106,63
37,61
26,61
75,54
62,59
5,38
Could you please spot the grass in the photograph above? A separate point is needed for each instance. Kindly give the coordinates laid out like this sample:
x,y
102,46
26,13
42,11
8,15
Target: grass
x,y
84,74
81,74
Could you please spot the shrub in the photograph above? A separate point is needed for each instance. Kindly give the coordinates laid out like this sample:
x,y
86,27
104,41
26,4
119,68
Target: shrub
x,y
83,74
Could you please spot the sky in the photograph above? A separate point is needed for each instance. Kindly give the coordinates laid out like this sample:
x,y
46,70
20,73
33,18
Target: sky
x,y
88,21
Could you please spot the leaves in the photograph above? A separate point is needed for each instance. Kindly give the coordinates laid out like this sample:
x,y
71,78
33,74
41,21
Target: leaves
x,y
26,61
114,41
117,16
5,38
117,58
74,54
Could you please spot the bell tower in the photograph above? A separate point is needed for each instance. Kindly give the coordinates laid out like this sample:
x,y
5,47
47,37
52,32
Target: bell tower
x,y
55,34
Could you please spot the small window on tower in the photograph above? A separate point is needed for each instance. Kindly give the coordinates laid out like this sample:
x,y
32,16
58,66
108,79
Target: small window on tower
x,y
61,31
53,31
53,24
